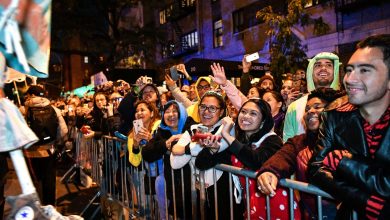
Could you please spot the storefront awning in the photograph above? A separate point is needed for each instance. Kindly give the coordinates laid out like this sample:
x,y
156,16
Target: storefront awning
x,y
201,67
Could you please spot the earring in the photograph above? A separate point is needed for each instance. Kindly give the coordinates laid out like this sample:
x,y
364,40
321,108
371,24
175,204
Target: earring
x,y
262,124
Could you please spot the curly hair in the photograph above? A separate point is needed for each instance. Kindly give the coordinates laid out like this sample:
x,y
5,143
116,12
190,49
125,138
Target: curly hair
x,y
326,94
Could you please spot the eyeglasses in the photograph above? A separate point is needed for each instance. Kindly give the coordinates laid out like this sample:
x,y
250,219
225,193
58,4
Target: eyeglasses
x,y
116,99
205,87
211,108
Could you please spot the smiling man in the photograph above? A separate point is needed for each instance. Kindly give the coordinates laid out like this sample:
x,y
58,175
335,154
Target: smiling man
x,y
352,158
322,72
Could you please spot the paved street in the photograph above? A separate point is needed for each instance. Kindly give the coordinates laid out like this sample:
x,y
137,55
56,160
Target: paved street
x,y
70,199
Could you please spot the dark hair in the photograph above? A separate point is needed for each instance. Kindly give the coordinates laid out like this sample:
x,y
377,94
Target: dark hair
x,y
382,42
166,106
218,97
326,94
96,94
265,77
278,97
158,102
151,108
267,122
258,89
36,90
96,112
169,95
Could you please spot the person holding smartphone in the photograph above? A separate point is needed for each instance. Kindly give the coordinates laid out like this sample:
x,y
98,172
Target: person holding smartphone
x,y
147,121
101,121
145,124
206,136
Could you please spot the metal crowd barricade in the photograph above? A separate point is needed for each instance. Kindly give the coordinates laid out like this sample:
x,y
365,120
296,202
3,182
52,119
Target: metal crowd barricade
x,y
125,184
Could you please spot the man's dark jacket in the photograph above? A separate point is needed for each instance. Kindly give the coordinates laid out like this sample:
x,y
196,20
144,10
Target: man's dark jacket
x,y
356,178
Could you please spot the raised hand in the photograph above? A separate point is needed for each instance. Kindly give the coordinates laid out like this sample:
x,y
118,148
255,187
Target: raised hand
x,y
246,66
170,82
219,74
181,68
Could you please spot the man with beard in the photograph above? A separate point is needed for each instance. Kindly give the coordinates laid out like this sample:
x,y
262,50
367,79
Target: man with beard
x,y
297,151
322,72
352,158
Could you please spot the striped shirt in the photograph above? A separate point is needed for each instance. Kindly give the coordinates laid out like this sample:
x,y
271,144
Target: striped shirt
x,y
374,133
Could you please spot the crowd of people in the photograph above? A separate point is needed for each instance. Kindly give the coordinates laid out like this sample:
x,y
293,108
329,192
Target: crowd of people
x,y
329,131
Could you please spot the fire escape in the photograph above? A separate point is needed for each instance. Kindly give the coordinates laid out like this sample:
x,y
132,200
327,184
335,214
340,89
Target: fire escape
x,y
179,45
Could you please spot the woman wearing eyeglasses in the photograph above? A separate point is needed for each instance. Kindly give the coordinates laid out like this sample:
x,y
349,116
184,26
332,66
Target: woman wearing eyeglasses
x,y
211,111
254,143
202,85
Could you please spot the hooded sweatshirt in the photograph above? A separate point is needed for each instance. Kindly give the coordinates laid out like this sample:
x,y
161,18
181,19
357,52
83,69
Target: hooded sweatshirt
x,y
193,109
293,122
62,129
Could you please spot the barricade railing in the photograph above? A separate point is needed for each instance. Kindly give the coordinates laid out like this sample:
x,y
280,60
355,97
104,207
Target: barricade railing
x,y
125,184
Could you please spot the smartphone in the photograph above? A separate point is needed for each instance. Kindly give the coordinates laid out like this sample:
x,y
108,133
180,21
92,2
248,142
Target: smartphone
x,y
85,129
202,129
199,136
174,74
252,57
137,125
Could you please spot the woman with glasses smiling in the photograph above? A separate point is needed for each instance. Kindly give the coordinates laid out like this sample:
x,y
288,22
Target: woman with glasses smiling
x,y
254,142
211,111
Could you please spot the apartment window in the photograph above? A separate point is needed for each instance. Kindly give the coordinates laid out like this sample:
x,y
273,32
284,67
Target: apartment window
x,y
218,33
245,17
163,18
317,2
167,50
164,51
187,3
189,40
165,14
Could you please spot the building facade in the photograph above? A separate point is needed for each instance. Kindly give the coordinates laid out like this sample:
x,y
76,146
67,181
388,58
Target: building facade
x,y
226,30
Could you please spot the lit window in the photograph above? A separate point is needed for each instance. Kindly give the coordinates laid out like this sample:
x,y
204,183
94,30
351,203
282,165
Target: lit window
x,y
189,40
187,3
86,59
163,19
218,33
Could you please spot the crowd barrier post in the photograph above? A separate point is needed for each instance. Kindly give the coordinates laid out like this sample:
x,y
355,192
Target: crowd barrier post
x,y
109,159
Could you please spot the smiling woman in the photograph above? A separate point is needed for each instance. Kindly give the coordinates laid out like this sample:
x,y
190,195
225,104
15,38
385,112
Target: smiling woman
x,y
157,152
191,146
254,143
